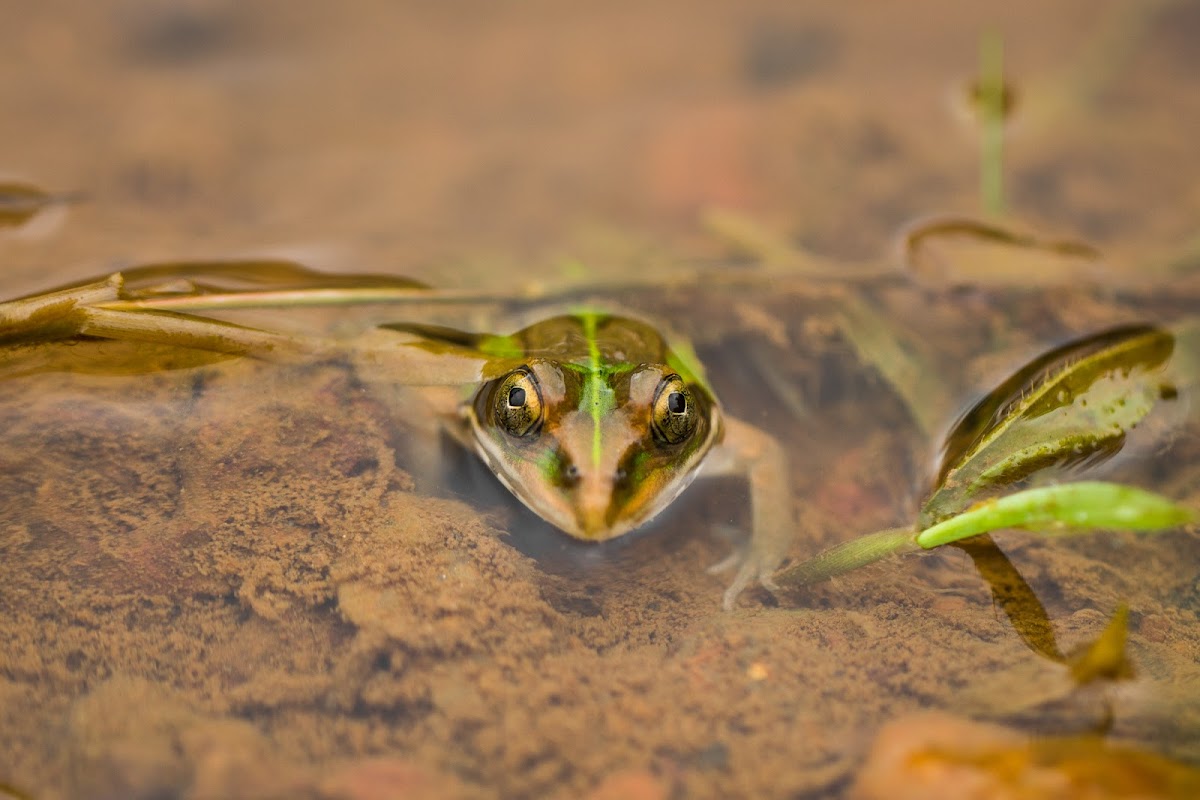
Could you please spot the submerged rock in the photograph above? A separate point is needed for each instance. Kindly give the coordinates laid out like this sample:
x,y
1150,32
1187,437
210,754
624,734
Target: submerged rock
x,y
938,755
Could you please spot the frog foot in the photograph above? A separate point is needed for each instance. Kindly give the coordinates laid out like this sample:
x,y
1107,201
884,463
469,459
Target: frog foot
x,y
750,567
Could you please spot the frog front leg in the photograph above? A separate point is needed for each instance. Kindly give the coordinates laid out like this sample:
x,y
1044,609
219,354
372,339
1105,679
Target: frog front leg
x,y
746,450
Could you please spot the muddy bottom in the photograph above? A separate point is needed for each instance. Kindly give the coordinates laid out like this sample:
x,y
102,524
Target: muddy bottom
x,y
227,581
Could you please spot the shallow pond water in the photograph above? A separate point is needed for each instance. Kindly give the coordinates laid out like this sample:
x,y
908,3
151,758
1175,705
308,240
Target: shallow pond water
x,y
241,579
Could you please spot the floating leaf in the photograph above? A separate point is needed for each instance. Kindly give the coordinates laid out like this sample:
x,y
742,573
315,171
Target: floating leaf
x,y
53,315
32,329
215,277
1073,405
266,283
81,311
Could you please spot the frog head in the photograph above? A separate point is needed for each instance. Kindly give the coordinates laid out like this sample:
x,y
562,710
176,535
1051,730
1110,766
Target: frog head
x,y
595,448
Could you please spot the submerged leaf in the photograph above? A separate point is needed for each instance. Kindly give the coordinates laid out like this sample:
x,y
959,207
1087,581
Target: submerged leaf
x,y
1017,391
200,333
1073,405
1068,508
1063,509
955,251
1105,657
1013,595
101,357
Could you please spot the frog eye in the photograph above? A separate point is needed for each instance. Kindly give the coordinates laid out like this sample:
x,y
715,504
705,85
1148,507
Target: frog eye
x,y
673,418
518,403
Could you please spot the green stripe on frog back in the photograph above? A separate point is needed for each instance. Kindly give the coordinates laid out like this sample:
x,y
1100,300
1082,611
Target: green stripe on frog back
x,y
598,397
505,347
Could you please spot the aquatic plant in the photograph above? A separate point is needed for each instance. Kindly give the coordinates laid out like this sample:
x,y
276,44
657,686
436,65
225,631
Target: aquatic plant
x,y
1071,407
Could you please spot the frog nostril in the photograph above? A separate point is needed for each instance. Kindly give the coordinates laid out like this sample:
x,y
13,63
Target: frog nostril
x,y
572,473
620,475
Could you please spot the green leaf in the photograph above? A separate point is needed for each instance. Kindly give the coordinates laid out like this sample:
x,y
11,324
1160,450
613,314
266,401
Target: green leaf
x,y
1065,509
1068,508
1071,406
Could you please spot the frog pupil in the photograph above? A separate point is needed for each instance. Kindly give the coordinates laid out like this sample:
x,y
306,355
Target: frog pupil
x,y
516,397
676,402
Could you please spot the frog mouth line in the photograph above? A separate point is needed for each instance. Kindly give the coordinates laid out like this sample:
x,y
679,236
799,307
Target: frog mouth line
x,y
565,517
562,516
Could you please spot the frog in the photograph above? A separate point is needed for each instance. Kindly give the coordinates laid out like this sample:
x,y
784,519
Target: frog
x,y
594,419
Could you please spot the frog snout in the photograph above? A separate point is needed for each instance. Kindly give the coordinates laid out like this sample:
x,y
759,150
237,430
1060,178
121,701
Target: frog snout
x,y
594,507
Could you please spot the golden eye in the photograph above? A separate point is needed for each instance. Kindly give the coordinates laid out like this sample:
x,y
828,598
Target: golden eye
x,y
518,404
674,415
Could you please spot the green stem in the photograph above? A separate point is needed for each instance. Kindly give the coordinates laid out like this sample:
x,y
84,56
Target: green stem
x,y
991,108
848,556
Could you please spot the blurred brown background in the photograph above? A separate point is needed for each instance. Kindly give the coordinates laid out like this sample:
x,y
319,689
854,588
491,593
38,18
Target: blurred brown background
x,y
402,136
